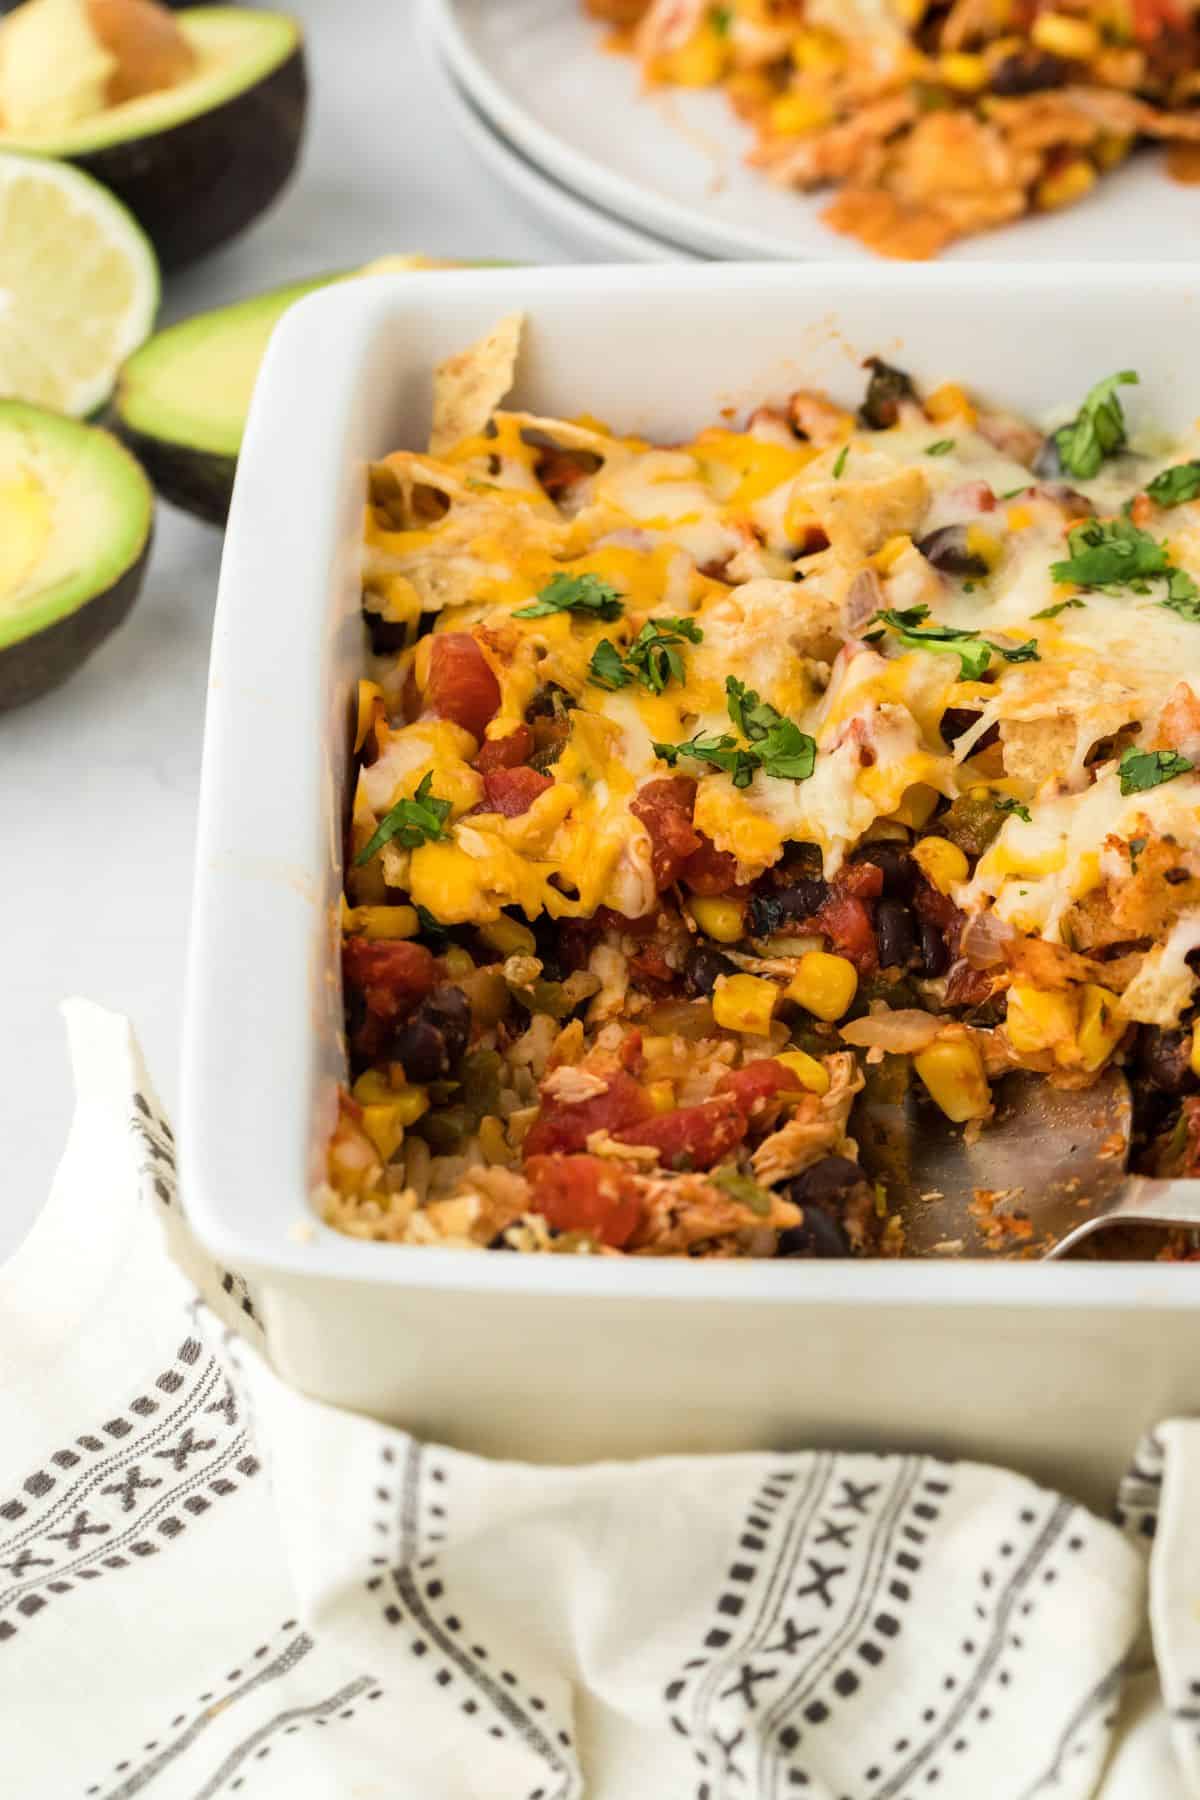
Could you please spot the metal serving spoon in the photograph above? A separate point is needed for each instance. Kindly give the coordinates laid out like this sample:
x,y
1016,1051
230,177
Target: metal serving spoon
x,y
1054,1157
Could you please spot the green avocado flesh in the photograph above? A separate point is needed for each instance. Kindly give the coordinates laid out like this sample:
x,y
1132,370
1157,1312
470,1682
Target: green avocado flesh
x,y
75,518
235,49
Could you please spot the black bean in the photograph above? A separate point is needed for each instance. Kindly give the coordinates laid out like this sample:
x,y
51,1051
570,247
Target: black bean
x,y
701,969
885,391
1028,72
829,1182
775,910
388,636
431,1042
820,1234
1164,1059
946,549
935,957
550,702
890,856
957,719
895,934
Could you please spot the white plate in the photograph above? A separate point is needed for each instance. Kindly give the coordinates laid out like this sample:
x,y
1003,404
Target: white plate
x,y
672,162
580,223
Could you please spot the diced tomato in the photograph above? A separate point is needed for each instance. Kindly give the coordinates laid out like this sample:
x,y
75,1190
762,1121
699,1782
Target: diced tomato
x,y
506,752
567,1125
585,1193
846,922
972,496
650,966
709,870
665,809
461,686
606,919
700,1134
391,975
513,791
862,879
757,1082
1152,17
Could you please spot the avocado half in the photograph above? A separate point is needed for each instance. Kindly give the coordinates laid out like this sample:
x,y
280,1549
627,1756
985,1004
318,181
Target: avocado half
x,y
198,162
181,400
77,515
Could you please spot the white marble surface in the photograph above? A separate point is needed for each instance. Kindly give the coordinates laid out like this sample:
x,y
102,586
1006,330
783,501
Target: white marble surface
x,y
98,781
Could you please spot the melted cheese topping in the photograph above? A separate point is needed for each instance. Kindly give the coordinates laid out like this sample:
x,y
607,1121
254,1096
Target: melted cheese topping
x,y
725,531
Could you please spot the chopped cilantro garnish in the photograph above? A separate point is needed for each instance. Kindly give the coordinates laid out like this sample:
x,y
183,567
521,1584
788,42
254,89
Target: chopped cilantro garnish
x,y
741,1187
606,668
1013,492
1176,485
752,716
419,820
1183,596
780,748
974,653
1052,612
1110,553
787,752
1097,430
429,924
574,593
1004,804
1143,769
653,658
720,18
840,464
721,751
943,447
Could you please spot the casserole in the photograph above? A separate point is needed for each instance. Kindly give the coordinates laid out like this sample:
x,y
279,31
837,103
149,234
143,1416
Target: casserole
x,y
567,1358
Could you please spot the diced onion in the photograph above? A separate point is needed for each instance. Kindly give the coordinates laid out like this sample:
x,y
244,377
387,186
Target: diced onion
x,y
902,1032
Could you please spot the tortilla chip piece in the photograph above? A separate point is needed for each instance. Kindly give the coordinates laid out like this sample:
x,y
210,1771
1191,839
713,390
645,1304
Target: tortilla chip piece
x,y
468,388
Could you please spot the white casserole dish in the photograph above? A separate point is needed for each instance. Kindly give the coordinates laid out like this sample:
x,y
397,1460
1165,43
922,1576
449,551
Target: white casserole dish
x,y
1055,1368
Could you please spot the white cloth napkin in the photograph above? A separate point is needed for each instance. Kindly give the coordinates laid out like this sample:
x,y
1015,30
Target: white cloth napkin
x,y
210,1585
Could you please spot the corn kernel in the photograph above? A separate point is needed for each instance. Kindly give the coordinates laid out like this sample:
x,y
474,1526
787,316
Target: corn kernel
x,y
376,922
744,1003
1194,1058
1110,149
719,918
372,1088
824,985
942,862
889,553
984,544
493,1145
949,402
509,937
961,70
1040,1019
793,114
699,63
1066,185
1100,1026
811,1074
1020,518
385,1128
1075,39
661,1095
457,961
818,52
953,1074
749,89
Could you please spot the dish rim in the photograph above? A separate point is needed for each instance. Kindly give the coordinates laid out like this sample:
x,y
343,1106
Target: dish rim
x,y
302,399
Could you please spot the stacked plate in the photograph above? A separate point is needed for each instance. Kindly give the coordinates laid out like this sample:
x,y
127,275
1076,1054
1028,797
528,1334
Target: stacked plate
x,y
662,175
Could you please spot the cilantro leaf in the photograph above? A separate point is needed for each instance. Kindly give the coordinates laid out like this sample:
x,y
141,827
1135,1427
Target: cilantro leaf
x,y
974,653
1052,612
840,464
1018,653
1004,804
787,752
1176,485
419,820
752,716
943,447
1143,769
1098,429
1013,492
1110,553
574,593
722,751
606,668
720,18
1183,596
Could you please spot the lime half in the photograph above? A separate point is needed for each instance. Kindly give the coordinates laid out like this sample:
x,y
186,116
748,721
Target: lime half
x,y
78,285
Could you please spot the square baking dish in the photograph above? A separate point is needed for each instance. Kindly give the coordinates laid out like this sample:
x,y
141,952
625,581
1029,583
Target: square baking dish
x,y
1053,1367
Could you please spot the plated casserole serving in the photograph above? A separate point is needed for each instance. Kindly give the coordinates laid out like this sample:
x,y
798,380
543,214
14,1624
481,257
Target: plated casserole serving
x,y
706,788
934,119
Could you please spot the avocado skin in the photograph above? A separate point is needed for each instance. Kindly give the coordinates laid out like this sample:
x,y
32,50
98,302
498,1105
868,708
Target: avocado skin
x,y
33,666
197,184
198,481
